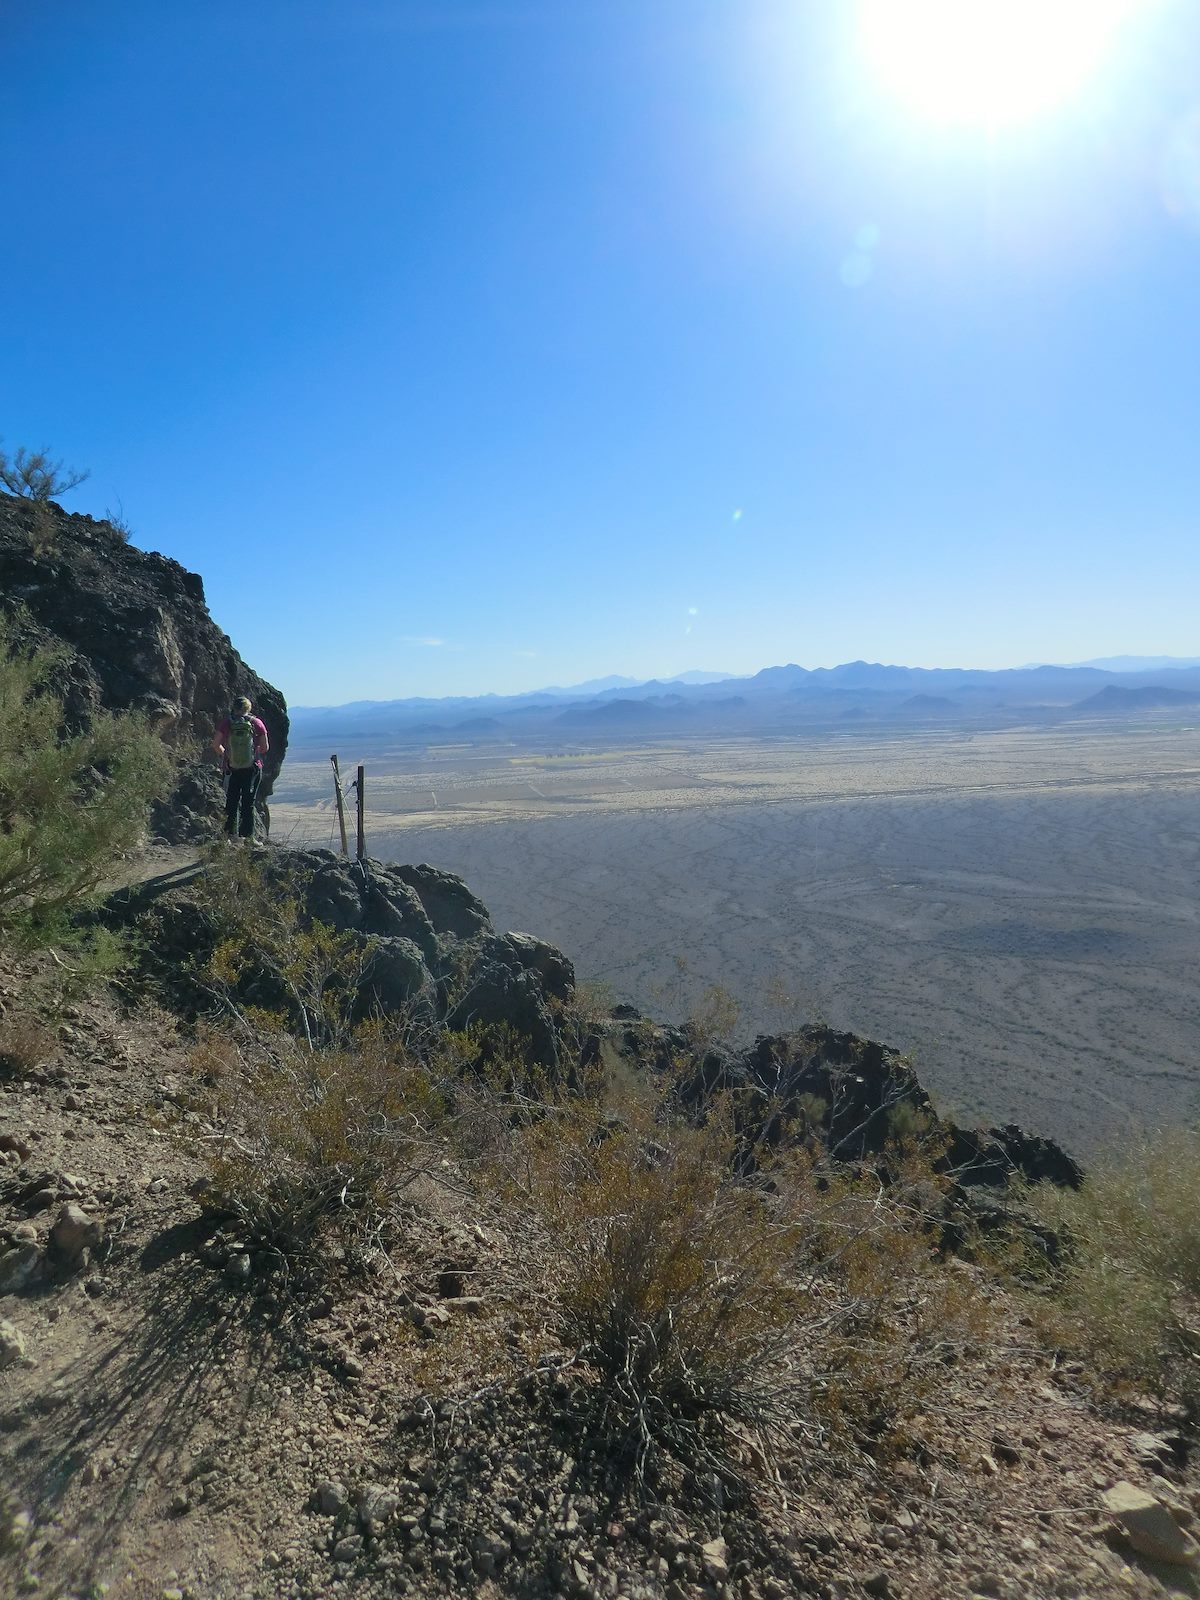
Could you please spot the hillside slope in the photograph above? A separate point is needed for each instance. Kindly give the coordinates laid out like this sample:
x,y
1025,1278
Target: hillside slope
x,y
182,1415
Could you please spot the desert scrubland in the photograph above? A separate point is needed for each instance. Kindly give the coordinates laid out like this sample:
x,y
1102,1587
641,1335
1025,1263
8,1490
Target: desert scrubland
x,y
1018,909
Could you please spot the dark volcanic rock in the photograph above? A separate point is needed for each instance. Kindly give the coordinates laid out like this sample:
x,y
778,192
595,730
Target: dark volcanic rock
x,y
140,635
449,904
419,963
552,967
375,900
497,990
195,808
397,977
992,1156
847,1088
851,1096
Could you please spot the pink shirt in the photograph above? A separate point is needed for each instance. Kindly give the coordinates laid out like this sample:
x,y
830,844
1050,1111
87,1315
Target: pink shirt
x,y
260,741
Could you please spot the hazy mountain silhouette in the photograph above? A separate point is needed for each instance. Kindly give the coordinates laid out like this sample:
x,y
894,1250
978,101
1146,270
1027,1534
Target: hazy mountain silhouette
x,y
771,702
1115,698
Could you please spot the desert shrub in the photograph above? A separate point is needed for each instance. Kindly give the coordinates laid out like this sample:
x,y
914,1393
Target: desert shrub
x,y
812,1109
214,1056
268,956
119,522
714,1016
34,475
492,1087
24,1044
720,1314
316,1148
894,1313
908,1123
70,803
672,1281
1128,1294
594,1000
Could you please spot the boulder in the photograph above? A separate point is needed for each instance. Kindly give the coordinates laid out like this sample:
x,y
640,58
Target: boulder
x,y
552,967
12,1345
397,976
449,904
19,1267
194,810
352,897
994,1155
416,965
496,991
1149,1526
74,1232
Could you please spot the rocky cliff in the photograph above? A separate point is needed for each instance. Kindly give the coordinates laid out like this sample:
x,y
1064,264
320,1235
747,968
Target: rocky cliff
x,y
139,633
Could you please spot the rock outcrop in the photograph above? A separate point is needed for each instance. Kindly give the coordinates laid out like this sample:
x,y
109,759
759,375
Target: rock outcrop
x,y
140,638
432,950
852,1096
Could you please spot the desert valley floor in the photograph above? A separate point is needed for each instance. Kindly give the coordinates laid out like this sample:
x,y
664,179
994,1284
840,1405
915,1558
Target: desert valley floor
x,y
1017,909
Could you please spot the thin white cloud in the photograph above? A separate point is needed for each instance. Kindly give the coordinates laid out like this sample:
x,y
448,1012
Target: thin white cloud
x,y
693,611
526,655
422,639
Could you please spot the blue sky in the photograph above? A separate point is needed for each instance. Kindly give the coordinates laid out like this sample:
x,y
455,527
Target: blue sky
x,y
470,345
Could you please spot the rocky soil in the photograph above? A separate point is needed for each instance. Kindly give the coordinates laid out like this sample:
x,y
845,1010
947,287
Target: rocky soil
x,y
176,1422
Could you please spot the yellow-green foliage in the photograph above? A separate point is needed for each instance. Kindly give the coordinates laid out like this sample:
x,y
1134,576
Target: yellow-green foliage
x,y
673,1279
907,1123
894,1313
714,1016
712,1308
70,803
317,1146
315,971
1129,1296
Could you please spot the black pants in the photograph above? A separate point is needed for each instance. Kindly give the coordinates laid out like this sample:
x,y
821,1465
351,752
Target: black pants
x,y
243,786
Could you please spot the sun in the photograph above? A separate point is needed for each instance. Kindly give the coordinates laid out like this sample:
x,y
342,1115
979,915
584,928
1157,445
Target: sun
x,y
988,63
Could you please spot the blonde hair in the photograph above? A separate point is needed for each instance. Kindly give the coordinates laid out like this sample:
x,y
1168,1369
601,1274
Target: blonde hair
x,y
242,704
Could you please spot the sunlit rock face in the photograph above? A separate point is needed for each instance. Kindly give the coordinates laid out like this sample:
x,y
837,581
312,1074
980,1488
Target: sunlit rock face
x,y
135,623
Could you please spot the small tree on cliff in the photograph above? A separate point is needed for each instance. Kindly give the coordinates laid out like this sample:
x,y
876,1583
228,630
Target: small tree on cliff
x,y
70,803
34,476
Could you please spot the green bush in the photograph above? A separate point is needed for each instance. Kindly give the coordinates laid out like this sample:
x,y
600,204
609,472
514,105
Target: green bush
x,y
1128,1297
70,802
301,969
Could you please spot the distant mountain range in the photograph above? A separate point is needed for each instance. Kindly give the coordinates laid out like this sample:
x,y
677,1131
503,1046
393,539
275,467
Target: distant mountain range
x,y
1140,663
775,701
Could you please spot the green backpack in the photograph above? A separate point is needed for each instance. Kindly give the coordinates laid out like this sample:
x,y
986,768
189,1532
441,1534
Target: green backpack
x,y
240,747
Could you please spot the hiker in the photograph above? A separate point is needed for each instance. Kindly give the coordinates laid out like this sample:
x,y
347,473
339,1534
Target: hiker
x,y
241,742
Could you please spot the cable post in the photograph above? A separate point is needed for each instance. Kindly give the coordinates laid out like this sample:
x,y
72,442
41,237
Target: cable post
x,y
360,786
341,804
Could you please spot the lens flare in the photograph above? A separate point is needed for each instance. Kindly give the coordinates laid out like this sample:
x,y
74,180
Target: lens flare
x,y
988,63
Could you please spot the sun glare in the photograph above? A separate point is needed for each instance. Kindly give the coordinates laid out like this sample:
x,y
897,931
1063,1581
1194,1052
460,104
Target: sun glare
x,y
988,63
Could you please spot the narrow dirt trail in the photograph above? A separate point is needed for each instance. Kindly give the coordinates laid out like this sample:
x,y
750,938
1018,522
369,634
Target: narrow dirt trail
x,y
168,863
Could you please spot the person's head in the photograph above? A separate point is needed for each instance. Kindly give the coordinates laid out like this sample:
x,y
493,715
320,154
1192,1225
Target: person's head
x,y
241,706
